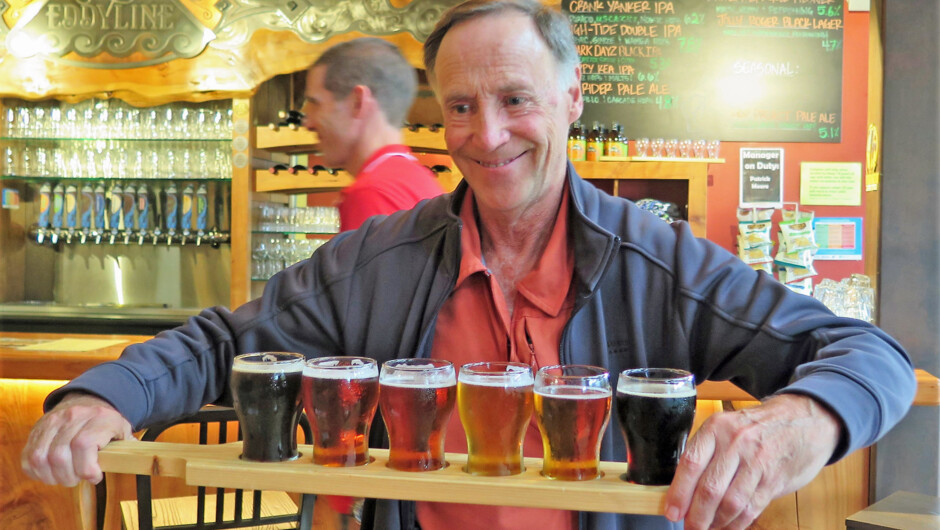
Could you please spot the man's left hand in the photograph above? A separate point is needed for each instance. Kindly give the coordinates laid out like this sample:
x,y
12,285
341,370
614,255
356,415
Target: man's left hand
x,y
740,461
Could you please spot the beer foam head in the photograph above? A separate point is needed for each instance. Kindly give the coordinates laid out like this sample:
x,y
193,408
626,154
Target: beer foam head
x,y
341,368
418,373
268,362
655,389
496,374
574,392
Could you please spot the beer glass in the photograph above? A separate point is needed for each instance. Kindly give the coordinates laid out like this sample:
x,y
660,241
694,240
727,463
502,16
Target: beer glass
x,y
655,407
494,400
417,397
340,396
266,392
572,408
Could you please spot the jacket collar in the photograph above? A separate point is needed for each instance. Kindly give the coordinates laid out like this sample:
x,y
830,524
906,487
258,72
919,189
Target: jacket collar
x,y
592,245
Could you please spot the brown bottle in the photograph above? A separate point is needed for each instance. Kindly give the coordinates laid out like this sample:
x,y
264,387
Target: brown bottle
x,y
615,144
577,144
595,143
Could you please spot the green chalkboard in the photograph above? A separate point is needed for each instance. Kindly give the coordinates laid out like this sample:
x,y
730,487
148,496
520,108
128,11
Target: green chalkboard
x,y
737,70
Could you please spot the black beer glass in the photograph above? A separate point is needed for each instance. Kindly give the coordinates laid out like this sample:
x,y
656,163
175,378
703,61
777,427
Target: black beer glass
x,y
266,392
655,407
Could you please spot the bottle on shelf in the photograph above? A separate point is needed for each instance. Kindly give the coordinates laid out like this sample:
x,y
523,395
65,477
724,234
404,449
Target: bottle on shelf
x,y
615,144
577,143
277,167
292,119
595,142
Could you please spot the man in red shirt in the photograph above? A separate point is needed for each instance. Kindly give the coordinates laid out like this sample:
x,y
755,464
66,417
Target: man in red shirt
x,y
357,96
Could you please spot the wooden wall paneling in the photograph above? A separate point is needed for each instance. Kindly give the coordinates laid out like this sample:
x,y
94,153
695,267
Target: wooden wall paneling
x,y
242,182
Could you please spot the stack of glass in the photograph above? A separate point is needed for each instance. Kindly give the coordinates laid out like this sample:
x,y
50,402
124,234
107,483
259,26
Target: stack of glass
x,y
851,297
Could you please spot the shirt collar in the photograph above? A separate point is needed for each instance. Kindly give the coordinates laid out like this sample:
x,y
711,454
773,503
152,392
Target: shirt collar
x,y
385,149
541,285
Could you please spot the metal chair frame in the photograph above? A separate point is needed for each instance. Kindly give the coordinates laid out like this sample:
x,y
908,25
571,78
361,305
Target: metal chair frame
x,y
221,416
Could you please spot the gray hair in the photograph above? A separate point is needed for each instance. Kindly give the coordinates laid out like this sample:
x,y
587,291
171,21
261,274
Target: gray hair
x,y
374,63
551,24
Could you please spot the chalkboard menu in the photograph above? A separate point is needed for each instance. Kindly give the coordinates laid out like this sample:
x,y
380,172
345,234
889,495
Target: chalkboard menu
x,y
738,70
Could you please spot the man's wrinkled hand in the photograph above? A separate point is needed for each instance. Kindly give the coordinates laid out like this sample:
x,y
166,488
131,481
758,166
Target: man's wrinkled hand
x,y
63,446
738,462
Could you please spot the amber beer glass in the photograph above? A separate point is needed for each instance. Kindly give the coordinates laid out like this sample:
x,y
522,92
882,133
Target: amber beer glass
x,y
417,397
266,393
655,407
340,396
572,408
495,405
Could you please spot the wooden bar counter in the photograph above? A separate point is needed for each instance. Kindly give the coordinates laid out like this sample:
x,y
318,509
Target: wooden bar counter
x,y
34,364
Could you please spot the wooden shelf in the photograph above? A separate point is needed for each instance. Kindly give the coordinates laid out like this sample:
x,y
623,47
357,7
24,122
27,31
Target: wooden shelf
x,y
286,140
220,466
692,171
284,182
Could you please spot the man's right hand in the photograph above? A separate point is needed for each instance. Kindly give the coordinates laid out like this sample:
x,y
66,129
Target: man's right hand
x,y
63,446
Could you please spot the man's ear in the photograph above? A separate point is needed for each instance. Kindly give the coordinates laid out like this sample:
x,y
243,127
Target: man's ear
x,y
361,100
574,93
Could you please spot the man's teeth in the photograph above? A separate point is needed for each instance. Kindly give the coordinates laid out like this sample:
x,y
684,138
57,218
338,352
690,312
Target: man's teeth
x,y
494,164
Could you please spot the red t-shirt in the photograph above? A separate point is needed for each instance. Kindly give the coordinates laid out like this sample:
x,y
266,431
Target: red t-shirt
x,y
474,325
392,179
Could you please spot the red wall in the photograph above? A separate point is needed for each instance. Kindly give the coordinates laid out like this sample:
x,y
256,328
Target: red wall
x,y
723,187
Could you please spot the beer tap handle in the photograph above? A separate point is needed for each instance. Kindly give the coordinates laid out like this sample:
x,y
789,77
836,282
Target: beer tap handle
x,y
172,213
87,199
58,205
99,210
202,212
71,212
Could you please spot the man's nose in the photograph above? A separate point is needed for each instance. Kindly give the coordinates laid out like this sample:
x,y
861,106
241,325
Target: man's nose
x,y
307,120
489,129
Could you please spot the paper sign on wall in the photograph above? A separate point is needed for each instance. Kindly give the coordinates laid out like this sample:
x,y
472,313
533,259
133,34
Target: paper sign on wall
x,y
761,177
839,238
831,183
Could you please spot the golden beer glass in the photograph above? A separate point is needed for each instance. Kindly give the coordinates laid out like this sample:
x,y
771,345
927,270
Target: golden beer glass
x,y
340,396
417,398
495,404
572,408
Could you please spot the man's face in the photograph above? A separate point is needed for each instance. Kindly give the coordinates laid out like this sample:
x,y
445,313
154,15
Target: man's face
x,y
507,109
331,118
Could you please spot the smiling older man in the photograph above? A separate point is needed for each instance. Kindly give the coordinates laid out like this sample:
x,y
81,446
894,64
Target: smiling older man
x,y
525,261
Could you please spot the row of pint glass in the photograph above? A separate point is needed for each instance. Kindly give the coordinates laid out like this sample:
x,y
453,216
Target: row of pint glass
x,y
113,118
677,148
495,402
131,159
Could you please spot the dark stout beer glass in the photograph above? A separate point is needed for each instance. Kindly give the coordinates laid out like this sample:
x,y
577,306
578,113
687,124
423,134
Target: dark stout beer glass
x,y
655,407
417,397
495,405
340,396
572,408
266,392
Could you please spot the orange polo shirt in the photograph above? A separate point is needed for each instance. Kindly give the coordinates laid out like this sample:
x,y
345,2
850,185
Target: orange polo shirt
x,y
474,325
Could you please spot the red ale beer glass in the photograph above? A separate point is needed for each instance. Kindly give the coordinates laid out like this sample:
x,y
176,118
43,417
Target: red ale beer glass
x,y
655,407
340,396
266,393
495,405
572,408
417,397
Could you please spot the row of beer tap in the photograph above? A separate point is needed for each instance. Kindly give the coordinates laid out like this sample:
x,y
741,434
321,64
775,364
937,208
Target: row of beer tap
x,y
93,212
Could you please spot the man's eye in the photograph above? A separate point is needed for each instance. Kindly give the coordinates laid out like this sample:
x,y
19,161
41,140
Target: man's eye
x,y
461,108
515,100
